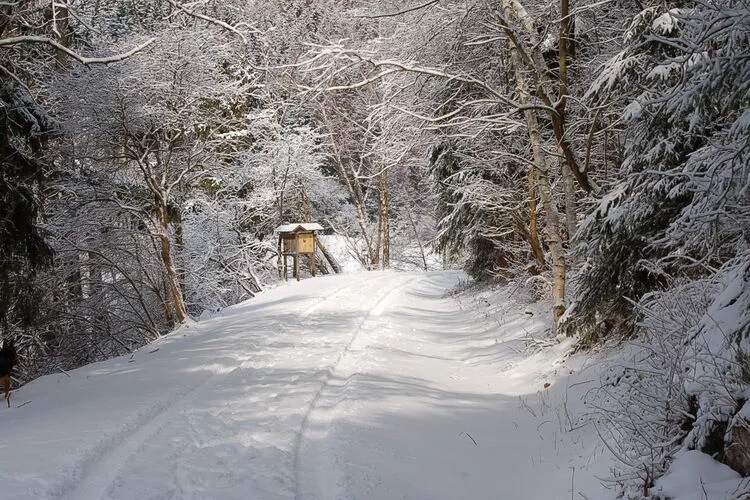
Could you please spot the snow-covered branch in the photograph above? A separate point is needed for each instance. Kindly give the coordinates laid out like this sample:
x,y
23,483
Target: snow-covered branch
x,y
209,19
401,12
5,42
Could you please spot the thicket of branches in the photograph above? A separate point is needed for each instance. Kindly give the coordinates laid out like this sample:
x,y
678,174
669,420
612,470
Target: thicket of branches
x,y
600,149
667,249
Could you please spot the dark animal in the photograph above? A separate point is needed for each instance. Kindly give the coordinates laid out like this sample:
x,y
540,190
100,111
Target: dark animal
x,y
8,359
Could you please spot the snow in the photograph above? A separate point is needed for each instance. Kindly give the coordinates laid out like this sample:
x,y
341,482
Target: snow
x,y
306,226
696,476
667,23
632,111
343,252
373,385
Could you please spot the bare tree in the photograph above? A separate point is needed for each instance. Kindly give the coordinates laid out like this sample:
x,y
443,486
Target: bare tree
x,y
160,125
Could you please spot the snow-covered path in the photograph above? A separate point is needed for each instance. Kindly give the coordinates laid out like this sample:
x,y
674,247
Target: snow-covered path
x,y
373,385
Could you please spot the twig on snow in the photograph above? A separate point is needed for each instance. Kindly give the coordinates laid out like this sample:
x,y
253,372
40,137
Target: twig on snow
x,y
469,436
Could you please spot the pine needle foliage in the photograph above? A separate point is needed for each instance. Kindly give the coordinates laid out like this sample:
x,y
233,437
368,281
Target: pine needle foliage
x,y
681,209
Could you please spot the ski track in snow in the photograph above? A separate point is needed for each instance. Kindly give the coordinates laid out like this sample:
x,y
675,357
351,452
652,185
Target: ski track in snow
x,y
312,408
319,462
100,470
369,386
105,466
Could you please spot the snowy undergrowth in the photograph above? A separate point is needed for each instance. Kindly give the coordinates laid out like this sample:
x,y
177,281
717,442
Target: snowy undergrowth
x,y
674,399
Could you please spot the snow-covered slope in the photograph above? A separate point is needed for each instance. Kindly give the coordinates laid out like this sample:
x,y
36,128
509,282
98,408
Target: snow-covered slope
x,y
363,386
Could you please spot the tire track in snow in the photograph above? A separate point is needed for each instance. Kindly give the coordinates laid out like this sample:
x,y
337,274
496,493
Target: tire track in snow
x,y
312,408
100,469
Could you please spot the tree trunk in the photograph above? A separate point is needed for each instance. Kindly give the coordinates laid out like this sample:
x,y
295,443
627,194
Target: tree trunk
x,y
281,261
75,278
172,277
175,218
362,219
324,250
565,33
570,202
279,186
531,57
384,227
95,273
536,245
304,203
416,235
552,233
354,187
61,27
566,41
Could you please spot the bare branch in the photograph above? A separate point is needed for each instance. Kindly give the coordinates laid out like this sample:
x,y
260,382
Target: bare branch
x,y
357,85
402,12
211,20
391,67
14,77
16,40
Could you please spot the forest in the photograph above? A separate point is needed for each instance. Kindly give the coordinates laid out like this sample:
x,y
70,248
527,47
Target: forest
x,y
598,152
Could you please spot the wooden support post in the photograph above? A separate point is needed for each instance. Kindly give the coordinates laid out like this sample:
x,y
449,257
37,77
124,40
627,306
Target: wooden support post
x,y
312,263
285,271
296,266
280,249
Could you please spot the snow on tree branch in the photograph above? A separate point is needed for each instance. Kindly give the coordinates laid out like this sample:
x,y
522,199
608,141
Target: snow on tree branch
x,y
389,67
211,20
402,12
73,54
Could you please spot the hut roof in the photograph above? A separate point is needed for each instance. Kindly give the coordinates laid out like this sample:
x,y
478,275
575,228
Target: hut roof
x,y
294,226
